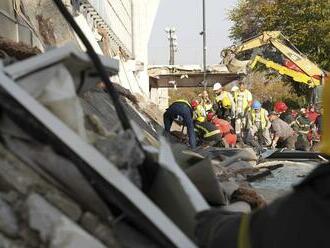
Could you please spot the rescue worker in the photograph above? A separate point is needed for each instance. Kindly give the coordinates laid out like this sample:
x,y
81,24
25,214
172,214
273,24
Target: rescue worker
x,y
258,127
233,90
181,112
208,133
282,109
227,132
303,126
224,102
243,101
283,135
312,114
199,113
299,219
206,102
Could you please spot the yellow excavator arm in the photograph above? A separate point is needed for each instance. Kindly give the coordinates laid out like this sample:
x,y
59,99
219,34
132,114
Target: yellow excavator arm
x,y
309,72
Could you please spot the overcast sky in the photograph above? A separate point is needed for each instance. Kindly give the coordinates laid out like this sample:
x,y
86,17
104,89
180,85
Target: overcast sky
x,y
186,17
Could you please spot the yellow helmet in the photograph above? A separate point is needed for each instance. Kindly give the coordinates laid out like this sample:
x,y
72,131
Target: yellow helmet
x,y
325,145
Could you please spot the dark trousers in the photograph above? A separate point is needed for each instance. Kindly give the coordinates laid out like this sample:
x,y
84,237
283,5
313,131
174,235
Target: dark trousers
x,y
184,111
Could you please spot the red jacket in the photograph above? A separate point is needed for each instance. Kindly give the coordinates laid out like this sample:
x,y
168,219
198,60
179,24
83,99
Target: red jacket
x,y
312,116
225,128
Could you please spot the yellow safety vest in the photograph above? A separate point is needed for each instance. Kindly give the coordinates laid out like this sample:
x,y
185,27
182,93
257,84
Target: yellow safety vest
x,y
245,98
263,119
206,132
200,114
225,102
208,107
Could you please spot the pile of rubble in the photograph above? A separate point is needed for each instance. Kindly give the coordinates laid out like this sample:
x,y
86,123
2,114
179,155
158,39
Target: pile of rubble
x,y
72,177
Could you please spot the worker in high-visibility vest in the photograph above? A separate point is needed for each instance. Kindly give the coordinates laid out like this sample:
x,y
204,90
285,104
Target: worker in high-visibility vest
x,y
206,101
243,101
199,112
181,112
208,133
258,127
224,102
299,219
227,132
302,128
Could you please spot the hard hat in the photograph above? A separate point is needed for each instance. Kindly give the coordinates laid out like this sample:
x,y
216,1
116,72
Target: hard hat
x,y
256,105
210,116
325,143
217,86
194,103
234,88
280,107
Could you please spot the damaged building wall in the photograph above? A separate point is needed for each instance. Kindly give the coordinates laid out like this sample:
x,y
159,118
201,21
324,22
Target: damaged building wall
x,y
120,29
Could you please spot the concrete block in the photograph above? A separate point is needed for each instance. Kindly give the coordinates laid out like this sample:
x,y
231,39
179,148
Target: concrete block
x,y
55,228
100,230
8,220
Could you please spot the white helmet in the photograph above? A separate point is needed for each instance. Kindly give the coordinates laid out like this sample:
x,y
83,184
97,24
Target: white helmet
x,y
217,86
234,88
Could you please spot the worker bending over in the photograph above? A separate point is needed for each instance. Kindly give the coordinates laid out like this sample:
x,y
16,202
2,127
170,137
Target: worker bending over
x,y
243,101
284,113
258,127
181,112
224,102
283,135
208,133
227,132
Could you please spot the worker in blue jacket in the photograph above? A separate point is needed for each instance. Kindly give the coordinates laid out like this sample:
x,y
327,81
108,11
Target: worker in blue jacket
x,y
181,111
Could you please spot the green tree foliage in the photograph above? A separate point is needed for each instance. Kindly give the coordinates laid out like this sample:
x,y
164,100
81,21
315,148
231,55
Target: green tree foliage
x,y
306,23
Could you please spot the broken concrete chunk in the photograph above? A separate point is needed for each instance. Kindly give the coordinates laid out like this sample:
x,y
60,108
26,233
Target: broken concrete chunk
x,y
59,171
123,151
98,229
19,177
204,179
8,221
55,228
8,243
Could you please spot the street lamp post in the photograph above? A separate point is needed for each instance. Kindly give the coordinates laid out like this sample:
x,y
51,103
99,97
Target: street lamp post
x,y
173,43
204,44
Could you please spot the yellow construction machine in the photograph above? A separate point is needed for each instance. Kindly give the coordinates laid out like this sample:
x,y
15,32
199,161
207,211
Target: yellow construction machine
x,y
273,50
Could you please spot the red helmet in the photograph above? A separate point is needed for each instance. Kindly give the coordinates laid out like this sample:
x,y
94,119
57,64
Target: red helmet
x,y
280,107
194,103
210,116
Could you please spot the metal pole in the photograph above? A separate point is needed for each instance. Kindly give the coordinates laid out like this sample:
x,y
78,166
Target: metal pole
x,y
171,49
204,45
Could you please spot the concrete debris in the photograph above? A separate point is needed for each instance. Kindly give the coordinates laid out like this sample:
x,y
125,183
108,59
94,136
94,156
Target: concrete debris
x,y
124,193
8,220
55,228
103,232
125,153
